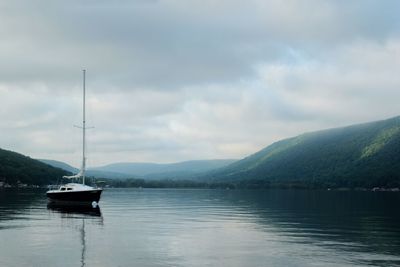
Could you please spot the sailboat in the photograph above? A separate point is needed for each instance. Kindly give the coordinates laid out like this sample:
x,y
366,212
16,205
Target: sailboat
x,y
77,193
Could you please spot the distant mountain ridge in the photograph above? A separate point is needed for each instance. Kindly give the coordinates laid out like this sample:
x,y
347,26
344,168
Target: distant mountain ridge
x,y
124,170
364,155
179,170
93,173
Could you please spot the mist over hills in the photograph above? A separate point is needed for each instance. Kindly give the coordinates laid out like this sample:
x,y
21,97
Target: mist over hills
x,y
364,155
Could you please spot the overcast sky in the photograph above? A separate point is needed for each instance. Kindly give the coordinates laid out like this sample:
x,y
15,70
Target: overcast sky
x,y
173,80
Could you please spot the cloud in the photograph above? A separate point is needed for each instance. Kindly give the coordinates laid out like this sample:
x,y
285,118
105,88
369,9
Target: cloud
x,y
358,77
170,44
175,80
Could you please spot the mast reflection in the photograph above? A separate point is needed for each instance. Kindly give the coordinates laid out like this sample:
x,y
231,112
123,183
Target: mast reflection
x,y
76,217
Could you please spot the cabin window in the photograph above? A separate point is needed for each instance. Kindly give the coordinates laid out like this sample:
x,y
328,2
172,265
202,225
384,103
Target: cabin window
x,y
69,188
62,189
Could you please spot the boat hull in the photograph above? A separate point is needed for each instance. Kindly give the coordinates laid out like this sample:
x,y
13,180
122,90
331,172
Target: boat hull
x,y
87,196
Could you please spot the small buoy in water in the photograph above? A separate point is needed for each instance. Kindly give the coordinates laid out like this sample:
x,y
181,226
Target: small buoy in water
x,y
94,204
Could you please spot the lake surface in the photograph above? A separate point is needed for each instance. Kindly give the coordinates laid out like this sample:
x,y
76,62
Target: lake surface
x,y
179,227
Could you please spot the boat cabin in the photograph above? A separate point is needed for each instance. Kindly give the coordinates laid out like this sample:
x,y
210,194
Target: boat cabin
x,y
63,188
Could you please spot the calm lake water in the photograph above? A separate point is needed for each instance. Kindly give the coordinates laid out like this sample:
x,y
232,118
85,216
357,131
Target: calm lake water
x,y
176,227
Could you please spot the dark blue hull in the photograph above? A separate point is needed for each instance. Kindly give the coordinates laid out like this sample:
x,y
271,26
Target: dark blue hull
x,y
75,197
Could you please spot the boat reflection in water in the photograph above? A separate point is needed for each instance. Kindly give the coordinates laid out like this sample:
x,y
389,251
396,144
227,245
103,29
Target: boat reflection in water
x,y
74,211
76,215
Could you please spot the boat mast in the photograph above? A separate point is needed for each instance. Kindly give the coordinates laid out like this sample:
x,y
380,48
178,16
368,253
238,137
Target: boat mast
x,y
84,129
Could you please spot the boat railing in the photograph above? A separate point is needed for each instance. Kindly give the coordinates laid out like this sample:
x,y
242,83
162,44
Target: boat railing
x,y
53,186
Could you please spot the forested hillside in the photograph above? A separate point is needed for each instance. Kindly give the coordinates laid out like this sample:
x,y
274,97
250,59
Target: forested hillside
x,y
16,168
365,155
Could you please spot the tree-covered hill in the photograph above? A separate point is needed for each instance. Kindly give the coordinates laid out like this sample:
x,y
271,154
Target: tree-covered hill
x,y
365,155
16,168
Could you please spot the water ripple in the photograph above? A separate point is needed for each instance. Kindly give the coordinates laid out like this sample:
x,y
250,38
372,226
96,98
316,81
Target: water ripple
x,y
203,228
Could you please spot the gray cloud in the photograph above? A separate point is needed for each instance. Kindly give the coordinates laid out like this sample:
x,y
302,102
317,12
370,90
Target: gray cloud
x,y
175,80
163,44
